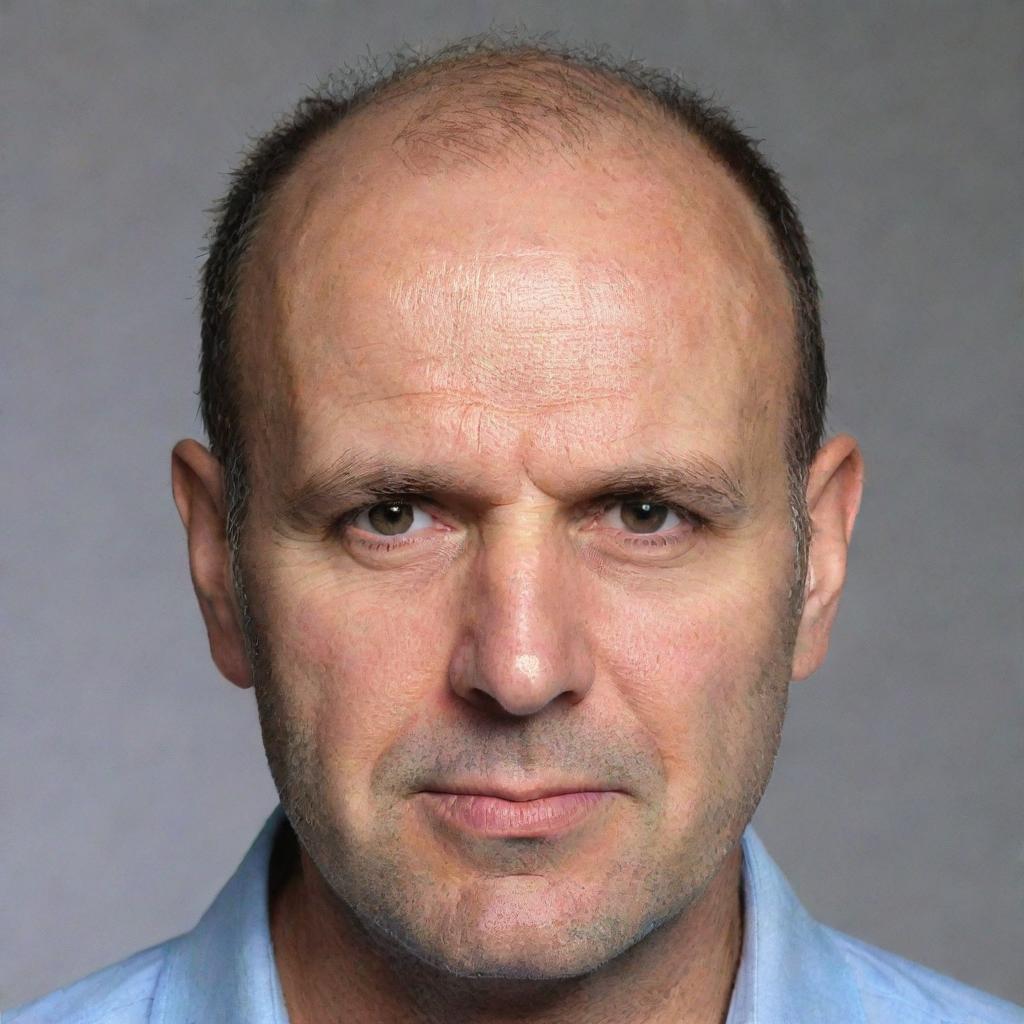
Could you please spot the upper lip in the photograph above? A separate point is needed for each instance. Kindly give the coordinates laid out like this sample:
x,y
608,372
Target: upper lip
x,y
507,792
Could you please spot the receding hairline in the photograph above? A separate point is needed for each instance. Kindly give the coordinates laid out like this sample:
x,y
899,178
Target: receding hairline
x,y
501,99
524,103
440,117
465,113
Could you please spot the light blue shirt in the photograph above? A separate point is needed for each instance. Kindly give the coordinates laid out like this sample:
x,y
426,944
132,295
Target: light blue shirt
x,y
792,969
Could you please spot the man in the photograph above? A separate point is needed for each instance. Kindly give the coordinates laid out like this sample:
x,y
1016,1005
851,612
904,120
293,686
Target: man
x,y
519,521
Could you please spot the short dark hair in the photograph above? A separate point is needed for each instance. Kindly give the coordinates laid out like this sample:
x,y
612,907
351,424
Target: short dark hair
x,y
274,155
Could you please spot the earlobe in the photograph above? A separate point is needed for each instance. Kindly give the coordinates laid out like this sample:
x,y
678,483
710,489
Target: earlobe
x,y
834,488
198,486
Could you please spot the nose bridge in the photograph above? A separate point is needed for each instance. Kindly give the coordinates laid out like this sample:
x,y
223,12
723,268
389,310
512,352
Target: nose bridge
x,y
517,588
524,646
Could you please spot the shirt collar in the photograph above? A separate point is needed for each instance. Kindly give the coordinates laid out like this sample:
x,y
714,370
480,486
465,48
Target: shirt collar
x,y
223,971
790,970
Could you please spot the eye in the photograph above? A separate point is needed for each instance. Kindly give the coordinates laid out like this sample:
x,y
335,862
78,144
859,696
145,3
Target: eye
x,y
392,519
639,515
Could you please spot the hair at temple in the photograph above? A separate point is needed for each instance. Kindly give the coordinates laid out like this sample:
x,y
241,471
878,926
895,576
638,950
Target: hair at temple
x,y
498,93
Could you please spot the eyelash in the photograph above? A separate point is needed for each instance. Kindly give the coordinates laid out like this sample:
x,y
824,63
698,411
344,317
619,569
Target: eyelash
x,y
338,527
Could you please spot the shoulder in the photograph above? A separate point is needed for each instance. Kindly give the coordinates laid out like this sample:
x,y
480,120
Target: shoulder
x,y
119,994
897,990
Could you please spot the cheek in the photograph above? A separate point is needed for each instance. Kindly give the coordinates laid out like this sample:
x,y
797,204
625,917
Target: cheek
x,y
691,645
691,672
353,665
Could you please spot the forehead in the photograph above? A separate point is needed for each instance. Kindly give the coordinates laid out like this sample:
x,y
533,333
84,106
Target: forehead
x,y
569,301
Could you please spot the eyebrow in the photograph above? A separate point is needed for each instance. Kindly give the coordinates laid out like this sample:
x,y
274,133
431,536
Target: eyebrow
x,y
692,479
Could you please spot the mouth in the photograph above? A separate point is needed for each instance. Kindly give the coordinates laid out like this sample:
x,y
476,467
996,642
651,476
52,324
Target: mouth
x,y
487,814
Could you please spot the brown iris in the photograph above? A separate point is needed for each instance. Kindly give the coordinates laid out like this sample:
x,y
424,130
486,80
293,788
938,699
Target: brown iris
x,y
391,517
643,516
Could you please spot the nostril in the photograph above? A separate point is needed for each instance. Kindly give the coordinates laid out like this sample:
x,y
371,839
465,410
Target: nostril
x,y
488,701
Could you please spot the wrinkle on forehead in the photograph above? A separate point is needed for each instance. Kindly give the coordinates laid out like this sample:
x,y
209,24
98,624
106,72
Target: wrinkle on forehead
x,y
536,328
536,292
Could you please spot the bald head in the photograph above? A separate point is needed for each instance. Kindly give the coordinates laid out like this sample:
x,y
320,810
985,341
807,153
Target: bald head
x,y
527,105
515,113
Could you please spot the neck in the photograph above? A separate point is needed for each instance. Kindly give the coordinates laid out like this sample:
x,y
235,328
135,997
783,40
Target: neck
x,y
332,968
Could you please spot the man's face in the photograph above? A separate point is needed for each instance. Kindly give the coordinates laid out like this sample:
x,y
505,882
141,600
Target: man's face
x,y
491,544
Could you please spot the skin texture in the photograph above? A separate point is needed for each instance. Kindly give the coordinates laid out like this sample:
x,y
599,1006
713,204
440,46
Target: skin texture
x,y
529,333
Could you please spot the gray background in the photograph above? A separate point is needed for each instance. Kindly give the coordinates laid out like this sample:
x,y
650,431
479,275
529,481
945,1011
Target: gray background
x,y
134,777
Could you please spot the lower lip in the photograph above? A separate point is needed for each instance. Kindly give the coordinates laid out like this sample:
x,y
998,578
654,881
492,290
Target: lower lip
x,y
492,816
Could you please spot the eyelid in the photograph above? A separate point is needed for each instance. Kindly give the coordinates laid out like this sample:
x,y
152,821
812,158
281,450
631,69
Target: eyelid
x,y
349,517
592,509
688,514
601,503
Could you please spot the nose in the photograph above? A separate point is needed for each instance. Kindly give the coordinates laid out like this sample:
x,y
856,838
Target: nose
x,y
524,644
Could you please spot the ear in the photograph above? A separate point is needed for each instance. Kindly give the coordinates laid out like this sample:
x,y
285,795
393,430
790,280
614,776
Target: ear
x,y
198,485
834,486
